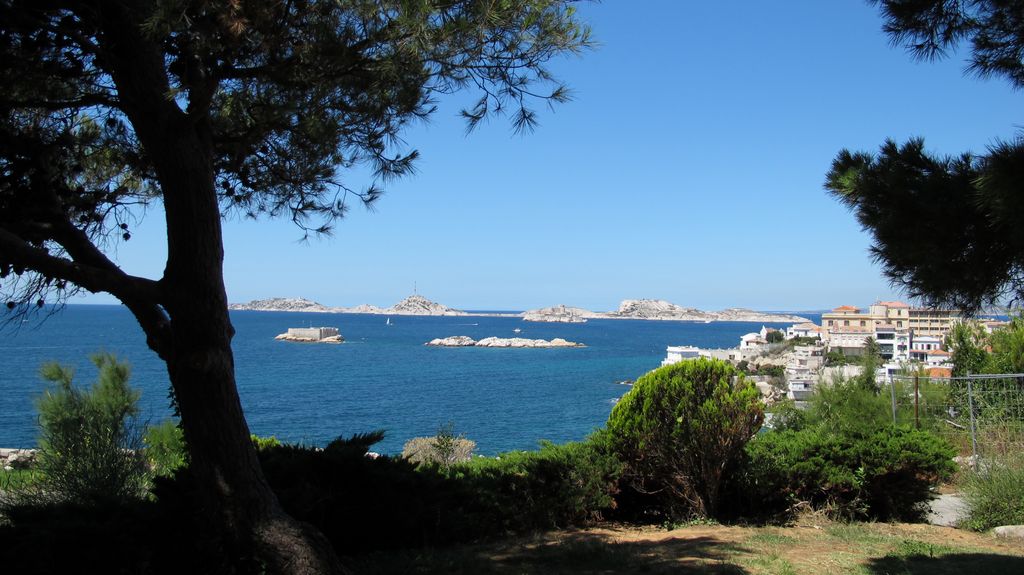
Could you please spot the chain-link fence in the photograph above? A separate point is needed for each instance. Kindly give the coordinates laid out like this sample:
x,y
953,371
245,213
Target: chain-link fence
x,y
980,415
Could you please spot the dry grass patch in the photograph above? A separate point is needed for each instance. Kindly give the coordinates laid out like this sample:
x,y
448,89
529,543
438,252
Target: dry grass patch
x,y
811,548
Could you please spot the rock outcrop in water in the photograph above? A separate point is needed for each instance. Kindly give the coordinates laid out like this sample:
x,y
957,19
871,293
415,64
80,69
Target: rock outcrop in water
x,y
412,305
419,305
284,304
655,309
464,341
629,309
559,314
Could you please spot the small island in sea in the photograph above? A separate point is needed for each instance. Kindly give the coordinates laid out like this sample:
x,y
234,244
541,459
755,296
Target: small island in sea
x,y
465,341
311,335
646,309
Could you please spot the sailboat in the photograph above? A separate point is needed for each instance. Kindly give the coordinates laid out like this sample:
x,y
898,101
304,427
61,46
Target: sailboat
x,y
388,322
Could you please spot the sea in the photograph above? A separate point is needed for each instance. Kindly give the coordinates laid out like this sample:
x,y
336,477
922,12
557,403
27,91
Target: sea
x,y
382,377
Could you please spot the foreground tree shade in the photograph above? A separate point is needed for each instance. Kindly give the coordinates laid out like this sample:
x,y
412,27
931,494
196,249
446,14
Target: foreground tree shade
x,y
947,229
222,107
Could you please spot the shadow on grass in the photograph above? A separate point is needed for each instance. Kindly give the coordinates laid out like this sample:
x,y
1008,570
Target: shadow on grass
x,y
570,553
947,564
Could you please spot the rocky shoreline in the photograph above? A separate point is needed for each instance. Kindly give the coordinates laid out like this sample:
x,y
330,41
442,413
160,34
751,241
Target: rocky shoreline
x,y
645,309
465,341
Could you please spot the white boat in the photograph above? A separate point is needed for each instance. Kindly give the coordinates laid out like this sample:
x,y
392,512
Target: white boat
x,y
388,322
517,330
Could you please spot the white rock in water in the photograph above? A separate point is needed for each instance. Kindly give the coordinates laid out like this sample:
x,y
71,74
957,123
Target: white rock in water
x,y
463,341
454,341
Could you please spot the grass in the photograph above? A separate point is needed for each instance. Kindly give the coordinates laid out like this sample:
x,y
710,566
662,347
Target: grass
x,y
859,548
14,479
995,496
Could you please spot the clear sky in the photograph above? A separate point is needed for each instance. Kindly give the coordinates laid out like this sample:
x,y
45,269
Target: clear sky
x,y
689,167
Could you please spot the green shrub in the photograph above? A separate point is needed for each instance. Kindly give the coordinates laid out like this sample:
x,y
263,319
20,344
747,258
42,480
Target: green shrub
x,y
89,444
679,429
557,486
884,475
165,447
848,407
364,504
995,494
264,443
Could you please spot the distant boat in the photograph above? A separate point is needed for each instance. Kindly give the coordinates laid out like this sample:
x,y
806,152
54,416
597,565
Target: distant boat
x,y
388,322
517,330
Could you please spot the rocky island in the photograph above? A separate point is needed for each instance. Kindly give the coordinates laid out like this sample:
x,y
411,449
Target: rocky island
x,y
558,314
311,335
412,305
648,309
464,341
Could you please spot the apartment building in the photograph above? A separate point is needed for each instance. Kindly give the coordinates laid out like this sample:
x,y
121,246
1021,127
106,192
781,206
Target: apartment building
x,y
893,324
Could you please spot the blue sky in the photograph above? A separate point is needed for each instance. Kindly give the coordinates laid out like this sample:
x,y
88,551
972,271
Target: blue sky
x,y
689,168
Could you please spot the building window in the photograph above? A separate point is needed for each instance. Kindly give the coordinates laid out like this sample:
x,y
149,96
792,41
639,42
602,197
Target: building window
x,y
846,322
863,323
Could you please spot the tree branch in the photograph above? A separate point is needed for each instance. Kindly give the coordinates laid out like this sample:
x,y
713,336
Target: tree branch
x,y
96,274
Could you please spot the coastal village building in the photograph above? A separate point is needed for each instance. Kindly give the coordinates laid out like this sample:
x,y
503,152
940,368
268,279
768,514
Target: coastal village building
x,y
806,329
893,324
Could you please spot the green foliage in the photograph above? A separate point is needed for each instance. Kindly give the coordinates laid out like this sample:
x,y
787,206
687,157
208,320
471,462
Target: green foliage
x,y
1007,348
770,370
848,408
557,486
680,428
786,415
995,494
966,342
775,336
89,442
165,447
883,475
353,498
869,363
264,443
15,480
835,357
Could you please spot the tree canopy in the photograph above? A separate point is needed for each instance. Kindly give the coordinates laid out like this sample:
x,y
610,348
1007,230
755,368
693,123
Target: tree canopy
x,y
947,229
219,107
282,97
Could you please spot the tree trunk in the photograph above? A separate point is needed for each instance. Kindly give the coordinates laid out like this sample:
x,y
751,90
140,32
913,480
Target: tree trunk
x,y
201,368
197,345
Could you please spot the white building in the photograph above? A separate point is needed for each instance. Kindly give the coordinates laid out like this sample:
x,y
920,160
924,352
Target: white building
x,y
677,353
806,329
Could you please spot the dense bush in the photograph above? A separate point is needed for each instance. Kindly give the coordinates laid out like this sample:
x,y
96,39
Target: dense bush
x,y
680,428
90,439
883,475
558,485
363,504
995,494
165,447
848,407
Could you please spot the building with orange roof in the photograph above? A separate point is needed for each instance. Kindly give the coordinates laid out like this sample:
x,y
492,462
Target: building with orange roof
x,y
893,324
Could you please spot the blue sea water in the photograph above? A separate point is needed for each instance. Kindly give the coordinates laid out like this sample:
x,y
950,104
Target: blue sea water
x,y
382,377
